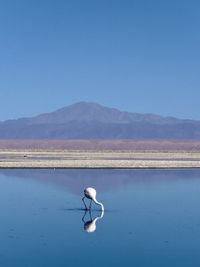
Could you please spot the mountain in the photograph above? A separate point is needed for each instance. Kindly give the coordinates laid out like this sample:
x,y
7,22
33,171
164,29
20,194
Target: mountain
x,y
85,120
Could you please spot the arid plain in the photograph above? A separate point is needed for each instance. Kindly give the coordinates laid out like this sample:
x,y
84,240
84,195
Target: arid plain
x,y
99,154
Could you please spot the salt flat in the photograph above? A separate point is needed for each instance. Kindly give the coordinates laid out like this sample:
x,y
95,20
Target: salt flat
x,y
97,159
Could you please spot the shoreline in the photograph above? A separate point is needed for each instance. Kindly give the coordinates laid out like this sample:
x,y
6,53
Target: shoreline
x,y
98,168
72,159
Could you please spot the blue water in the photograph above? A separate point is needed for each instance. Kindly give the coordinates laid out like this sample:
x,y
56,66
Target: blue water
x,y
152,218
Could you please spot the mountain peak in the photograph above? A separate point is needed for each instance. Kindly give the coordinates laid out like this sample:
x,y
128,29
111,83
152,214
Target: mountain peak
x,y
91,120
84,105
82,111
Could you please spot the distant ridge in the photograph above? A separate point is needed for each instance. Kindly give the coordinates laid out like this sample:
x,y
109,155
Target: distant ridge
x,y
86,120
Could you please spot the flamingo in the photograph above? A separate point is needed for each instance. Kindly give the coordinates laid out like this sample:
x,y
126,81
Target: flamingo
x,y
91,193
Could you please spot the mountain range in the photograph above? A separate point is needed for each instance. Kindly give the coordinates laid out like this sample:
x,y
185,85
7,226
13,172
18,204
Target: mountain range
x,y
85,120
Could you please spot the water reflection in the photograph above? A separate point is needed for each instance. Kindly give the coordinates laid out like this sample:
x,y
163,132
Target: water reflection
x,y
153,218
90,225
74,180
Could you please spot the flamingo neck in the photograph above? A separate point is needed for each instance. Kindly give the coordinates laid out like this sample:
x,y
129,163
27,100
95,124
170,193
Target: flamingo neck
x,y
99,203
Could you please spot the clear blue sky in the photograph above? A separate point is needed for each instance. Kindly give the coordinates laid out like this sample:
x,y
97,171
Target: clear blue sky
x,y
135,55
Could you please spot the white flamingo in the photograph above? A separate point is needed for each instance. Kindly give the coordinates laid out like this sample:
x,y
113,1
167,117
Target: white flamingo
x,y
91,193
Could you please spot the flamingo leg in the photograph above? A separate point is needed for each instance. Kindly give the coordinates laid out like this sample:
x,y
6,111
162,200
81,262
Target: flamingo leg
x,y
90,204
84,203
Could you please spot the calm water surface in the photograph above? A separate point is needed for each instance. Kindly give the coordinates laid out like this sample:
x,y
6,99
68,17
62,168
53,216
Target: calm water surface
x,y
152,218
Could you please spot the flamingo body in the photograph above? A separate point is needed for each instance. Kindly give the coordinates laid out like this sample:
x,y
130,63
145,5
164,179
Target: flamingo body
x,y
91,193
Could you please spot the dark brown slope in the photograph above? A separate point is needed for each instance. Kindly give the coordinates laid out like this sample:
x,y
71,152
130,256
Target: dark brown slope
x,y
90,120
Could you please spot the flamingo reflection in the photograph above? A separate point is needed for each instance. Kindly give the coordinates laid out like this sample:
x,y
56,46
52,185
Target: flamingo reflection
x,y
90,225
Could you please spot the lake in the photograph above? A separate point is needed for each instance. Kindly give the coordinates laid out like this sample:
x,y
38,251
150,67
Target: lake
x,y
152,218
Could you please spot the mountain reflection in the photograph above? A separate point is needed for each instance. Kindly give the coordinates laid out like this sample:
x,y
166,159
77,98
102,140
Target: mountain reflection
x,y
74,180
